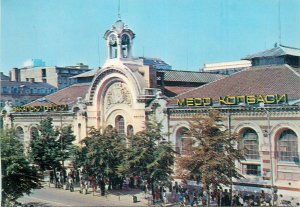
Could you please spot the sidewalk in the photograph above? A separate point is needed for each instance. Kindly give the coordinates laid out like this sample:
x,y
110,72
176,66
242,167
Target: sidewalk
x,y
124,195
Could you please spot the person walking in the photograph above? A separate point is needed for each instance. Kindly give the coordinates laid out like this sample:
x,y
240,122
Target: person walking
x,y
219,197
94,185
70,182
81,184
165,201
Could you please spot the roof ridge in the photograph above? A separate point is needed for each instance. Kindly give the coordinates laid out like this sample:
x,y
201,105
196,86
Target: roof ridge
x,y
196,88
292,69
289,47
188,71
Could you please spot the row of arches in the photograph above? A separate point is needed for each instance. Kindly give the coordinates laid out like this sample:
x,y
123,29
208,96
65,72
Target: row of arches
x,y
286,144
121,127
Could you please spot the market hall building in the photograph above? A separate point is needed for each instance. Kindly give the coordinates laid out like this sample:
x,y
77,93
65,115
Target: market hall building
x,y
118,94
127,91
261,105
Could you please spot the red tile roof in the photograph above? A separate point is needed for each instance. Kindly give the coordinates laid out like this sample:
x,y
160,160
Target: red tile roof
x,y
65,96
261,80
171,91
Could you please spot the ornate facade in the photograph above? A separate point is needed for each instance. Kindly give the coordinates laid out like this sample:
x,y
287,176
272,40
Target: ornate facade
x,y
125,92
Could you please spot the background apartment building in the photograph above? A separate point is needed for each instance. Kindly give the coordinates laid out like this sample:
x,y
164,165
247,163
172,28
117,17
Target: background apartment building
x,y
35,71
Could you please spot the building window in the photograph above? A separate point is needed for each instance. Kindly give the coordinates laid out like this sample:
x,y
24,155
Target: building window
x,y
33,132
120,125
5,90
15,90
183,141
20,133
44,73
250,144
251,169
129,130
287,147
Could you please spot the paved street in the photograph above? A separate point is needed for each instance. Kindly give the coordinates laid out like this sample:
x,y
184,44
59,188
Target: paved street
x,y
59,197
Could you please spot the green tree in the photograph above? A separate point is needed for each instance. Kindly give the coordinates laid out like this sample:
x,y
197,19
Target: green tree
x,y
150,155
50,146
101,154
67,138
18,176
45,147
211,158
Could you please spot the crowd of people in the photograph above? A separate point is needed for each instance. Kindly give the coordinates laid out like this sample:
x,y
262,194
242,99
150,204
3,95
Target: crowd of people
x,y
163,193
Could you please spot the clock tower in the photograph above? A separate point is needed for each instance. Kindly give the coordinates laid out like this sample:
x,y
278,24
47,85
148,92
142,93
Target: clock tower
x,y
119,41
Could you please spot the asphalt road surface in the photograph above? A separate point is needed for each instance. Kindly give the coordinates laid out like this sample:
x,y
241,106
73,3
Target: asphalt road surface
x,y
58,197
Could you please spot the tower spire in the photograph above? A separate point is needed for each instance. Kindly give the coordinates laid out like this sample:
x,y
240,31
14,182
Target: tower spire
x,y
119,5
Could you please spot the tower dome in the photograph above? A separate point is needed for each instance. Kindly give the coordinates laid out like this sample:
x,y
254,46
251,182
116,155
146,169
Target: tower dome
x,y
119,40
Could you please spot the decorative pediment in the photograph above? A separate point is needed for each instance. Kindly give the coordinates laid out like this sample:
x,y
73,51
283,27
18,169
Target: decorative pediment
x,y
117,93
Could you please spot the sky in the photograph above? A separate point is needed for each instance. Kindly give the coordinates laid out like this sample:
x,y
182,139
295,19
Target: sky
x,y
184,33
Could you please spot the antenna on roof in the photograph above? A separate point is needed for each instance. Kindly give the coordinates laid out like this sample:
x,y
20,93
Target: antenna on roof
x,y
119,5
279,24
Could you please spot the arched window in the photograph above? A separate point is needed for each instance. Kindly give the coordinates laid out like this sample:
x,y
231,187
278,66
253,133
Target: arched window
x,y
120,125
20,133
33,132
287,146
129,130
183,141
250,144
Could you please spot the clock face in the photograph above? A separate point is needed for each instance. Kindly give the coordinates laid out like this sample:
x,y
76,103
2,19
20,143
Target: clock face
x,y
112,40
125,39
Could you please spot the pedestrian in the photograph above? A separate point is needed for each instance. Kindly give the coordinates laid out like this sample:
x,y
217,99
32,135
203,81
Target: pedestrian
x,y
94,185
145,188
51,176
226,198
81,184
61,178
165,197
195,199
157,194
102,186
219,197
86,182
70,182
136,179
173,194
127,180
204,198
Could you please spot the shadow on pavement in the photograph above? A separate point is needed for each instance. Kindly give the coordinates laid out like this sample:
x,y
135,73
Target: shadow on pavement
x,y
35,204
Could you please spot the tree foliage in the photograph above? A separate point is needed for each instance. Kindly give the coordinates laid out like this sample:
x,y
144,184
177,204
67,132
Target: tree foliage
x,y
49,146
212,157
149,155
18,176
102,153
